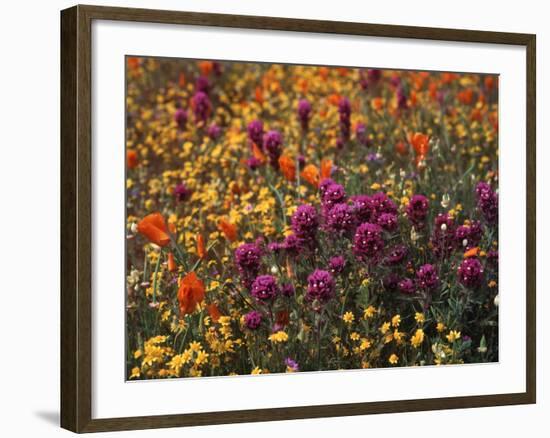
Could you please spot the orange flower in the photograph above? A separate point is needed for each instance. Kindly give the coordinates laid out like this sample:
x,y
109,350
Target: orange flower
x,y
133,62
282,318
190,293
154,228
171,263
206,67
473,252
489,82
323,72
259,95
326,168
258,154
181,80
131,159
311,174
287,166
228,229
201,250
377,103
466,96
420,143
401,148
214,312
334,99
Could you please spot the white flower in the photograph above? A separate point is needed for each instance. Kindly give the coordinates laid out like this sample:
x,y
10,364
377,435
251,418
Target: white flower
x,y
445,200
497,300
134,228
465,242
443,227
274,269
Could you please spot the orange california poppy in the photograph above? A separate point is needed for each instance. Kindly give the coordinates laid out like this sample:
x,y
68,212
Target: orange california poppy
x,y
311,174
288,168
181,80
473,252
201,250
132,159
228,229
420,143
154,228
133,62
259,95
377,103
172,267
323,72
206,67
401,148
214,312
258,154
489,82
334,99
190,293
326,168
466,96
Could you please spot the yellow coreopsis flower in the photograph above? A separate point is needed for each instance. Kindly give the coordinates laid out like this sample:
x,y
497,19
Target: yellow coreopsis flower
x,y
348,318
278,337
419,318
393,359
369,312
417,338
453,336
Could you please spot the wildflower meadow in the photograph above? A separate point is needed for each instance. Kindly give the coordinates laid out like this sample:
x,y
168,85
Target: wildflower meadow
x,y
286,218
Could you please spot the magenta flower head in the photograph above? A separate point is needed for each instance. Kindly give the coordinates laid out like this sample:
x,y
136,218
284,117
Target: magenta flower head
x,y
344,109
256,132
288,290
336,264
363,208
272,143
248,258
443,236
381,203
388,221
469,236
304,113
320,286
201,105
417,210
265,288
324,185
470,272
214,131
426,277
181,192
293,245
253,163
180,117
253,320
396,255
333,194
202,84
487,202
368,242
340,218
305,222
406,286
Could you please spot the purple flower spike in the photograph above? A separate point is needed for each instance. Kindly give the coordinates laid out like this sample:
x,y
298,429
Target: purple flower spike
x,y
417,210
256,132
320,286
304,113
181,192
265,288
201,105
426,277
305,222
470,272
253,320
368,242
272,143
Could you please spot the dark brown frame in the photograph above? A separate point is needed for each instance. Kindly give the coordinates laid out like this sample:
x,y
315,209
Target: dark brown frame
x,y
76,177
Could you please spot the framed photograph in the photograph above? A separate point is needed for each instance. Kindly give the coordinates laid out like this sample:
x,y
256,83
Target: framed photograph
x,y
269,219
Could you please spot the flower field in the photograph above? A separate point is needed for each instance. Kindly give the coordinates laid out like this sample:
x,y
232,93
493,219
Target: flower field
x,y
297,218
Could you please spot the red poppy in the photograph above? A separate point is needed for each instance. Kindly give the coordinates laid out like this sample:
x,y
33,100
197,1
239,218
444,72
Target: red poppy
x,y
214,312
288,168
201,250
228,229
172,267
311,174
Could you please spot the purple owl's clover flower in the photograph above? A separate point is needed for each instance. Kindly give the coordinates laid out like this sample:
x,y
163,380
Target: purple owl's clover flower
x,y
265,288
470,272
304,113
320,286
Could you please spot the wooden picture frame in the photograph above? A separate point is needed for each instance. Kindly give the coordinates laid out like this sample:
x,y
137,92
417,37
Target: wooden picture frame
x,y
76,217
